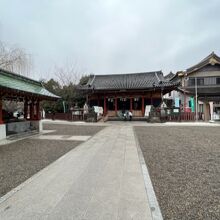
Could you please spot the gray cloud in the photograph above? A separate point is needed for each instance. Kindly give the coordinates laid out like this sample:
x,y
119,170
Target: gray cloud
x,y
112,36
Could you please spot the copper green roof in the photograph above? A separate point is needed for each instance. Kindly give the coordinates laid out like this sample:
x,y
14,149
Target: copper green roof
x,y
12,81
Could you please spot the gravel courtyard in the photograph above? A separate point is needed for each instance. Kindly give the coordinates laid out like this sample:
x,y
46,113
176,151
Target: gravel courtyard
x,y
22,159
184,166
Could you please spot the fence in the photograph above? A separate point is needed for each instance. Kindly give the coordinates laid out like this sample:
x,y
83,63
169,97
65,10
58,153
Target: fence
x,y
175,114
70,116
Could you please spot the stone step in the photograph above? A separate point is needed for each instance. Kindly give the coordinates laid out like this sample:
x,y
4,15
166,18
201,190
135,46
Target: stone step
x,y
121,119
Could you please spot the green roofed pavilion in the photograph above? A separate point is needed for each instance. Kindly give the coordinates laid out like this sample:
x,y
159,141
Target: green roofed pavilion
x,y
29,93
21,85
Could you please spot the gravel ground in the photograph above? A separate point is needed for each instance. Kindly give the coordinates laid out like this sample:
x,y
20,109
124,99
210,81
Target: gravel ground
x,y
184,165
21,159
72,129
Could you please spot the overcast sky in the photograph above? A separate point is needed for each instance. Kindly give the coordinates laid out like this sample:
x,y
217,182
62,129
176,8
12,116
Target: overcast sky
x,y
112,36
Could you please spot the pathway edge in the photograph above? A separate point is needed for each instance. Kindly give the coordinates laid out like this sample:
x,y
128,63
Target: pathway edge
x,y
152,199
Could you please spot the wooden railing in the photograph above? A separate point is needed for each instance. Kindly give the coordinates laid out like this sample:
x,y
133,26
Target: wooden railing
x,y
171,115
187,116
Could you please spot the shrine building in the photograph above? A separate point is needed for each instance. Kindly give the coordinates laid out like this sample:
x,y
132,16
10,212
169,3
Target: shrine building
x,y
28,93
127,92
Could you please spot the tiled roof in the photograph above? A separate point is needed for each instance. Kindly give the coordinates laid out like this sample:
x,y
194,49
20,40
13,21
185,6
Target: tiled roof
x,y
210,59
169,76
20,83
143,80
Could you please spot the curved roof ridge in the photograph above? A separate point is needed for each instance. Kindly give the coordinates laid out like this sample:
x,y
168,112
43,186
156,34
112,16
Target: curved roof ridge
x,y
116,74
157,77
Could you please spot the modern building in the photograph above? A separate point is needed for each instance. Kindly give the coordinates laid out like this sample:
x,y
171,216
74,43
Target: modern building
x,y
199,89
20,89
118,93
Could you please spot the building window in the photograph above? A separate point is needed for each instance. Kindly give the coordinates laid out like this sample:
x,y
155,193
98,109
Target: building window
x,y
218,80
200,81
209,81
191,82
201,108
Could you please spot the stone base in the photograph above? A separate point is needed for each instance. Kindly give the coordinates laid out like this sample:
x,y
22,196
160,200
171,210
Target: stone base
x,y
37,125
2,131
23,126
154,119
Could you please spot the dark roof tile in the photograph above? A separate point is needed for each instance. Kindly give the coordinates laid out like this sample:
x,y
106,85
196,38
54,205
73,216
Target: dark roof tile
x,y
128,81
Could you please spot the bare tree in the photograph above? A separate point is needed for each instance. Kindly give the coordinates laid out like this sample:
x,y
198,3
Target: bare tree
x,y
15,59
70,73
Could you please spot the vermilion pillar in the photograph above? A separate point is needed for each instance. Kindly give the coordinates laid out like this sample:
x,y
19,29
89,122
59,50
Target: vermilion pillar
x,y
131,104
1,113
38,116
142,109
116,105
32,110
105,108
151,99
25,108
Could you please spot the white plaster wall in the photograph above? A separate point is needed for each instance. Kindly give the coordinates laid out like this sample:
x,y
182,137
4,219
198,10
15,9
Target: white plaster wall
x,y
180,95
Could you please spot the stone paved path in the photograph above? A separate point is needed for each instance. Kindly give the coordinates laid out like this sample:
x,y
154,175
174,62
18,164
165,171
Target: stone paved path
x,y
100,179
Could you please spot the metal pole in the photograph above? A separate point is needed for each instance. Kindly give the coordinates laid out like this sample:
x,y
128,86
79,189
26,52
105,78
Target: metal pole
x,y
184,106
64,107
196,99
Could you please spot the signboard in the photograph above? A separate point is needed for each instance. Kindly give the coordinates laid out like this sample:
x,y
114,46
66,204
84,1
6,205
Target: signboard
x,y
192,104
177,102
147,110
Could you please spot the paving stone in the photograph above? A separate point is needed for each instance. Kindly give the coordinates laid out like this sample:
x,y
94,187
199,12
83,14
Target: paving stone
x,y
100,179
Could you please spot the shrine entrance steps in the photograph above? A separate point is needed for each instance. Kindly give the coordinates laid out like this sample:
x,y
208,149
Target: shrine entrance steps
x,y
121,119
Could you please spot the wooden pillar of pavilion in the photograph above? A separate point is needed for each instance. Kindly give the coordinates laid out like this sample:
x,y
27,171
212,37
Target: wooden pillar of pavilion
x,y
1,113
38,116
105,107
142,105
25,108
32,110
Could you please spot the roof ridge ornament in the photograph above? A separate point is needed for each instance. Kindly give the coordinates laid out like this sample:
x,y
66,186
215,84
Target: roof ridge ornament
x,y
157,77
213,61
